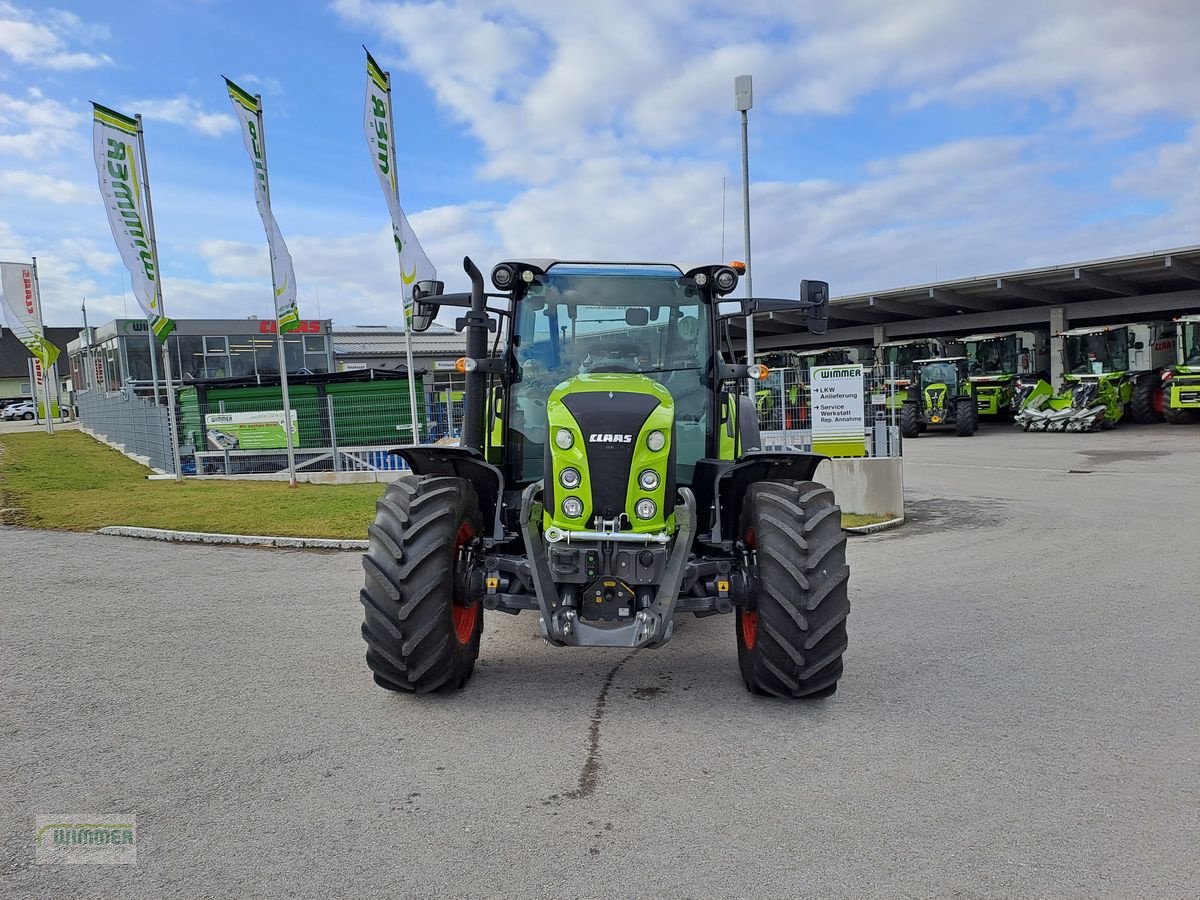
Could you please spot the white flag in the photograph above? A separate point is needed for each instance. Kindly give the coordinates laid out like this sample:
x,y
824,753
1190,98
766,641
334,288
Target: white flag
x,y
249,112
20,307
377,123
117,148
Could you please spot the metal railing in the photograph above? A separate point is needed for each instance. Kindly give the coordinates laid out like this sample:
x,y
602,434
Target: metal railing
x,y
784,405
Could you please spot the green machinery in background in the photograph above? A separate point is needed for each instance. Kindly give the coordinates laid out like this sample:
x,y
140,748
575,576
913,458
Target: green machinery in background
x,y
1111,372
939,397
1181,382
999,360
902,355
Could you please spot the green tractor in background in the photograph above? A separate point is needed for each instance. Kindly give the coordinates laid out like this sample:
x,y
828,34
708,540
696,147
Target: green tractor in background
x,y
1111,372
999,360
609,480
1181,382
903,356
940,397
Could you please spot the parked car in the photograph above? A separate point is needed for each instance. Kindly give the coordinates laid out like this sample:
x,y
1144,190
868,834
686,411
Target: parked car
x,y
23,410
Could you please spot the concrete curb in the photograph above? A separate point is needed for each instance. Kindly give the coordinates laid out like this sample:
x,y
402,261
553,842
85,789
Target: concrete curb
x,y
877,526
244,540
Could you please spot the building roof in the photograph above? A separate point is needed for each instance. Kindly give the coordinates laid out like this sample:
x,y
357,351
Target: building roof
x,y
14,357
1137,282
386,340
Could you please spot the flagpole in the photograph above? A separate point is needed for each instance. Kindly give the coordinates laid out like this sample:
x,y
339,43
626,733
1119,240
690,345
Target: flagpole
x,y
172,436
283,382
37,295
405,301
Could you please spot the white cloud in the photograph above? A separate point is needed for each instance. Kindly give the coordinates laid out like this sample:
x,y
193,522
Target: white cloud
x,y
43,39
38,186
186,112
35,127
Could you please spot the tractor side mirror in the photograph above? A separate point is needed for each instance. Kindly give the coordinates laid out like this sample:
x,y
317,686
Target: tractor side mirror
x,y
424,310
813,305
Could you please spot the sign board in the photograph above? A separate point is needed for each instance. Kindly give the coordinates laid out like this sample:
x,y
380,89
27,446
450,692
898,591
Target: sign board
x,y
261,430
445,365
838,420
353,367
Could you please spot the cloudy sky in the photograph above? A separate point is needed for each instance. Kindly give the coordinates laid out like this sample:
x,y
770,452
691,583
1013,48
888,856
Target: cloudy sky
x,y
891,143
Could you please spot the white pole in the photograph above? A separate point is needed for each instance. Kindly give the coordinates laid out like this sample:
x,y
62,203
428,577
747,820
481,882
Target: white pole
x,y
172,437
153,361
408,354
283,382
38,367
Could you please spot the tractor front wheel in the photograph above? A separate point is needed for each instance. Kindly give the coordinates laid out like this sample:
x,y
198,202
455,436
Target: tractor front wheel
x,y
791,640
421,627
1180,416
1146,403
966,417
910,420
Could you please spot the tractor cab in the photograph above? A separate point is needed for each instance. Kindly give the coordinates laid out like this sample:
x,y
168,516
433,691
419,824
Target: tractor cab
x,y
1094,352
1181,381
1001,362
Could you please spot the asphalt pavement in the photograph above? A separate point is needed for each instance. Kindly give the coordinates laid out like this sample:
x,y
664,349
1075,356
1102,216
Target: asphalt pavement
x,y
1019,715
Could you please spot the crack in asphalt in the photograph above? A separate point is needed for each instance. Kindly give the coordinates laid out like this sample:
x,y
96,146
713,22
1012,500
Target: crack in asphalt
x,y
589,775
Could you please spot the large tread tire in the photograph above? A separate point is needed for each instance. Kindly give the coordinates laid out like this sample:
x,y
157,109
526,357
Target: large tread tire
x,y
910,420
966,417
1146,401
1181,416
791,643
420,634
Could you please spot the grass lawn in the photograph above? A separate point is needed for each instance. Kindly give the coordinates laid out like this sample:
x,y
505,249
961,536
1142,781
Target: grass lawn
x,y
69,481
855,520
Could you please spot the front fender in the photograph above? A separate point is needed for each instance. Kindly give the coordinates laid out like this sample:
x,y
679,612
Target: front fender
x,y
465,463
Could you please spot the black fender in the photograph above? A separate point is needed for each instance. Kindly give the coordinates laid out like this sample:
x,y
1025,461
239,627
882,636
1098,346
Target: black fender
x,y
723,484
465,463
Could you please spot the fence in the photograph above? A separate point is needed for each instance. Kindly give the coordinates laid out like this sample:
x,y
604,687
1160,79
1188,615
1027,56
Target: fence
x,y
784,405
338,428
133,422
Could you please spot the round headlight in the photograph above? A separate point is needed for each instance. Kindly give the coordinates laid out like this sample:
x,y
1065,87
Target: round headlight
x,y
527,276
572,507
569,478
645,508
648,480
564,438
656,440
726,280
701,279
503,277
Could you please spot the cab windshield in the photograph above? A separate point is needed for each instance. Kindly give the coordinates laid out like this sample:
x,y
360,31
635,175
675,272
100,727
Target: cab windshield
x,y
625,319
903,356
1098,353
1191,343
939,373
997,356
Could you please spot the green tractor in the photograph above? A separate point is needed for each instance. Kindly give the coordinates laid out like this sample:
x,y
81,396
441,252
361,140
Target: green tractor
x,y
997,361
1111,372
900,357
1181,382
608,479
943,398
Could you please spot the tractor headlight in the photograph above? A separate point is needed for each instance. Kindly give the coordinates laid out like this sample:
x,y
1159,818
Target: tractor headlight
x,y
569,478
645,508
572,507
725,279
656,440
648,480
564,438
503,277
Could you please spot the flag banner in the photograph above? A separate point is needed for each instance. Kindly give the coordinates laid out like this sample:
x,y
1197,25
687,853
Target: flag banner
x,y
20,308
380,131
116,145
248,111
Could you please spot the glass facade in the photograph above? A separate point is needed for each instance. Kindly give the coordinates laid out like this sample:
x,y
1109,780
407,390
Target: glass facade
x,y
125,358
